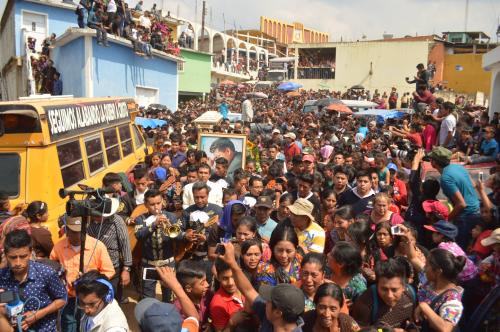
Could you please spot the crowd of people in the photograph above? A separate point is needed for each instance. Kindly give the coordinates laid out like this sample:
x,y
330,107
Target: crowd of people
x,y
331,225
147,30
46,78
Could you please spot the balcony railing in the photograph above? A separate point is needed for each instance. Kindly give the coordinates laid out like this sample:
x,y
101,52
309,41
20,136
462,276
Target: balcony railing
x,y
316,73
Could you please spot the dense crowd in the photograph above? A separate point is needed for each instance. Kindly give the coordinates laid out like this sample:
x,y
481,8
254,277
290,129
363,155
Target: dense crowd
x,y
324,222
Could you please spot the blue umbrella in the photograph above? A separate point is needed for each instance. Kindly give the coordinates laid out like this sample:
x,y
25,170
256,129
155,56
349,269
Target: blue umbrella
x,y
289,86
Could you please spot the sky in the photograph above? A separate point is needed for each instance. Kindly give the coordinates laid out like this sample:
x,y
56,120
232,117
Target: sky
x,y
346,19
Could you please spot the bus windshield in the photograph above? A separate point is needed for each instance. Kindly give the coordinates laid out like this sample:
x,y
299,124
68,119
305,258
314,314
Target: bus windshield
x,y
10,167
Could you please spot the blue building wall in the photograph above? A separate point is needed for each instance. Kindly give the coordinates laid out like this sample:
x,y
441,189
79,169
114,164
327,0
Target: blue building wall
x,y
70,62
59,19
117,70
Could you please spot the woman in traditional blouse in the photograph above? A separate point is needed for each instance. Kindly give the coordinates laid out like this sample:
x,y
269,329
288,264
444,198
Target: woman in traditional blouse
x,y
328,315
440,298
284,266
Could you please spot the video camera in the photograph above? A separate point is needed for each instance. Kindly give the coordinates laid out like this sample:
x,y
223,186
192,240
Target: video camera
x,y
406,150
82,208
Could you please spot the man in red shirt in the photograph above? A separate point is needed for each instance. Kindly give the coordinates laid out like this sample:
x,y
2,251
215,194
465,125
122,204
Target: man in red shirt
x,y
423,95
227,303
291,148
414,135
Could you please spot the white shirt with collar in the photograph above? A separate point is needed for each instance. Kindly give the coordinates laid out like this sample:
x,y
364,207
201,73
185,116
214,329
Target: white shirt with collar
x,y
214,196
110,319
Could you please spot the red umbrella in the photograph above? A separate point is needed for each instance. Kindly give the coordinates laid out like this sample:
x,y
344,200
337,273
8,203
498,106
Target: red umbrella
x,y
341,108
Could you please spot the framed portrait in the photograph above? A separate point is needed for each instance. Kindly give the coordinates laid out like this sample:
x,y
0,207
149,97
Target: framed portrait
x,y
229,146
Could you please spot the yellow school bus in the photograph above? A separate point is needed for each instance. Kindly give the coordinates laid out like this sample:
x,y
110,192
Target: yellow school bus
x,y
52,143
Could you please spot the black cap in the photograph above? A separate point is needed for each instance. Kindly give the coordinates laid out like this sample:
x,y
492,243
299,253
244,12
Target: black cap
x,y
285,297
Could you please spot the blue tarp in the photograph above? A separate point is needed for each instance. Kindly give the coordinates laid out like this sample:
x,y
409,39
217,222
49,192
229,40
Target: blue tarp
x,y
289,86
381,114
149,123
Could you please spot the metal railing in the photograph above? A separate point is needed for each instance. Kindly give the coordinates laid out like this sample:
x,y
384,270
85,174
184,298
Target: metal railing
x,y
315,73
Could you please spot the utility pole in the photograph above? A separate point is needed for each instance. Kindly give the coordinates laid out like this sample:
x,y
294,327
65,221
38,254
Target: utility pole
x,y
203,12
466,14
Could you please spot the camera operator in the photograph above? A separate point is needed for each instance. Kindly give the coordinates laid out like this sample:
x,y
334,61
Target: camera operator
x,y
37,285
457,186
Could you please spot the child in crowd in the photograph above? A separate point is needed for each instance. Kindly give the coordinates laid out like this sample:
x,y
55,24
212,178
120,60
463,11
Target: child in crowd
x,y
193,279
480,232
490,266
227,303
443,235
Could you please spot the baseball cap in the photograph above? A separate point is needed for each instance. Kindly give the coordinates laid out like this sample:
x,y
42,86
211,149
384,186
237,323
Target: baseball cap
x,y
276,131
440,153
392,166
154,316
290,135
433,206
285,297
264,201
302,207
443,227
74,223
492,239
309,158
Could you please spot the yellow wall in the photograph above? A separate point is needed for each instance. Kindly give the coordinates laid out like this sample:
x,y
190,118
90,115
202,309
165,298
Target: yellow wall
x,y
471,79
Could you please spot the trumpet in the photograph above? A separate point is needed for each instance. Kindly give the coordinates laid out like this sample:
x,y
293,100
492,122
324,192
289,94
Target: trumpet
x,y
169,229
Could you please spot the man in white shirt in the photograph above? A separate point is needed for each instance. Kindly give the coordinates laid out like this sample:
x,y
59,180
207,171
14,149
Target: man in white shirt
x,y
246,110
101,313
111,10
215,194
448,125
145,21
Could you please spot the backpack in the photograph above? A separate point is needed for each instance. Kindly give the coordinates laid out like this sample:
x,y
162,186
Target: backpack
x,y
373,288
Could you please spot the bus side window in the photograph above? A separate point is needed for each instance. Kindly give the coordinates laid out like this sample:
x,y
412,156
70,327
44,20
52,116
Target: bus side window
x,y
138,139
111,144
71,162
126,140
95,156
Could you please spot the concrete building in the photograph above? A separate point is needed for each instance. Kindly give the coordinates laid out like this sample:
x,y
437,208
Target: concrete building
x,y
491,63
372,64
87,69
91,70
379,65
194,74
289,33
